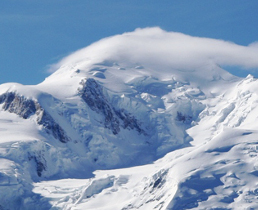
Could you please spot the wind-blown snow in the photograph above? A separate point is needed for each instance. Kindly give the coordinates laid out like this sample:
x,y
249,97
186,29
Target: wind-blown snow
x,y
142,120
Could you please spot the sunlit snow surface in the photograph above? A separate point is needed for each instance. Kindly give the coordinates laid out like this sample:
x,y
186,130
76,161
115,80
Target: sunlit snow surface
x,y
221,173
127,129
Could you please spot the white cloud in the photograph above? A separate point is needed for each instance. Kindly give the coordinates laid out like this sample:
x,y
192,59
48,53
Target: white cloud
x,y
156,46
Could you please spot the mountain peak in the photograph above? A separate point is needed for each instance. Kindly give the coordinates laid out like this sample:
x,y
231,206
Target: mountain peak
x,y
119,61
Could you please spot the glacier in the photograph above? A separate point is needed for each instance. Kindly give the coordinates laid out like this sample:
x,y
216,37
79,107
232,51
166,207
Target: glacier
x,y
130,123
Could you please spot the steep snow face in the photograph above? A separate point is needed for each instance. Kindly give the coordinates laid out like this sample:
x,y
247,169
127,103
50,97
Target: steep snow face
x,y
127,101
218,170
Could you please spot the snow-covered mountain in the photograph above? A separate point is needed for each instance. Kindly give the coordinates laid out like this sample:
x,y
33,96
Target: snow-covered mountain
x,y
142,120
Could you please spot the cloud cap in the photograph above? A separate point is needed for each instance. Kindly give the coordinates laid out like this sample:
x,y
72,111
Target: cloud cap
x,y
158,47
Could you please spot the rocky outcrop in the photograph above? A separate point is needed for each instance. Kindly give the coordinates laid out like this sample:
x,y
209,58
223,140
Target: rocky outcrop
x,y
92,93
184,118
45,119
40,162
24,107
18,104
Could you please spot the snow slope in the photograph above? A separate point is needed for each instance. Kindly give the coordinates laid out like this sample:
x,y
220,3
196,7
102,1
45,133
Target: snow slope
x,y
133,122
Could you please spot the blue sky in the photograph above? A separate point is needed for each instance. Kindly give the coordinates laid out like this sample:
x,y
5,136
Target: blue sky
x,y
35,34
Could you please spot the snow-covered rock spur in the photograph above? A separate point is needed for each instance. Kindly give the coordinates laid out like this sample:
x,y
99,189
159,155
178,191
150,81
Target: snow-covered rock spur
x,y
142,120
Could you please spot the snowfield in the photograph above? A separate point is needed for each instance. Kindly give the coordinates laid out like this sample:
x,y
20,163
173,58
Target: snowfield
x,y
143,120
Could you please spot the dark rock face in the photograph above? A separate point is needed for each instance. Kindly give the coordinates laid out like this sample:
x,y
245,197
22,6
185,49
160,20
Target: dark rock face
x,y
128,121
40,163
24,107
184,118
18,104
51,126
92,93
158,181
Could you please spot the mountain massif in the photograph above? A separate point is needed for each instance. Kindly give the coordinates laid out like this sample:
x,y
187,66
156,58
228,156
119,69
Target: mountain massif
x,y
140,120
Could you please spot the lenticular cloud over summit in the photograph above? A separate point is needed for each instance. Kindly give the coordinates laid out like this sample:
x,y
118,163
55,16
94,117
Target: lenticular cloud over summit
x,y
156,46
